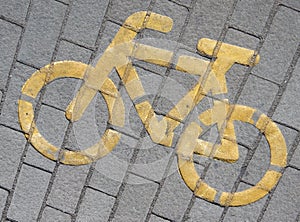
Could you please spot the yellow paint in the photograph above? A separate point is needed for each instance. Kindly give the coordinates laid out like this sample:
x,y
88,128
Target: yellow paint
x,y
211,79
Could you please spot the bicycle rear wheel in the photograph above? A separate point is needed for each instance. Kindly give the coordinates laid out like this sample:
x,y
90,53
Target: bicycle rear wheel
x,y
189,141
69,69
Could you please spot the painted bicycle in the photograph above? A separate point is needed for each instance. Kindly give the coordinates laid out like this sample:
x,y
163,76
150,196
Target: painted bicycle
x,y
118,56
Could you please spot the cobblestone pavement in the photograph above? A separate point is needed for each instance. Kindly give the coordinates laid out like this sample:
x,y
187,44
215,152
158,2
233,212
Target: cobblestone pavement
x,y
139,180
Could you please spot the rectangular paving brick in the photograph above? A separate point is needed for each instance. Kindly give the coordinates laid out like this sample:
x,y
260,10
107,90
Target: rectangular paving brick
x,y
70,51
33,157
152,159
207,21
67,187
42,32
85,20
204,211
274,61
29,194
288,107
155,218
9,114
52,125
252,15
258,93
120,10
292,3
174,11
174,193
11,146
9,39
15,9
110,170
3,196
53,215
248,212
135,200
295,161
285,205
95,206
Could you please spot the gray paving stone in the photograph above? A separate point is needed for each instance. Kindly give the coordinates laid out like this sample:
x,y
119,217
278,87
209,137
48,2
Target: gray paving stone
x,y
222,175
9,114
258,94
35,158
70,51
241,39
14,9
174,197
96,206
155,218
204,211
110,170
67,187
252,15
85,20
292,3
52,215
259,163
106,36
275,61
120,10
285,204
248,212
261,159
295,161
42,32
52,125
174,11
9,39
29,194
11,146
207,21
135,200
288,107
60,92
152,159
3,196
184,2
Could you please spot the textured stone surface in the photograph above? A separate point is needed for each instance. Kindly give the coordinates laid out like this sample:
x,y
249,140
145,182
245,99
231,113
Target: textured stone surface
x,y
67,187
206,21
9,114
283,34
85,20
30,191
14,9
42,32
135,199
110,170
9,39
288,107
95,206
205,211
285,204
252,15
52,215
171,203
11,146
258,94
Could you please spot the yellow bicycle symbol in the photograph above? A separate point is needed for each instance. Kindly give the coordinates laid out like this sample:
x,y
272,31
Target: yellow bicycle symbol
x,y
118,56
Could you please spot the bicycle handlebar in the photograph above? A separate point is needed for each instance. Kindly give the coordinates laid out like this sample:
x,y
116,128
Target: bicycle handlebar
x,y
139,21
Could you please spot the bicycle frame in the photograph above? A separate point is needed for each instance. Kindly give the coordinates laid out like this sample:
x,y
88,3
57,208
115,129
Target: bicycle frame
x,y
123,48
